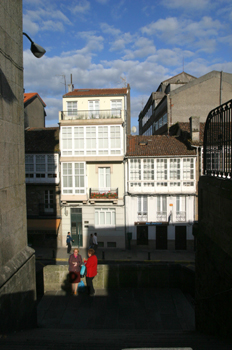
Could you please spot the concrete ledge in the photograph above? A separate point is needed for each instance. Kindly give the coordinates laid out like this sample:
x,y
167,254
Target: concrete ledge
x,y
126,275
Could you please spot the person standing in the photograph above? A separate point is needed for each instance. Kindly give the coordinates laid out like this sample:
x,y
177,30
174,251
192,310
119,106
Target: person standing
x,y
91,267
95,244
91,241
75,261
68,242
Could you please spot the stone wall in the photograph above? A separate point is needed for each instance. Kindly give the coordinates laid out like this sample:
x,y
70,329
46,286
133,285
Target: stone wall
x,y
17,275
18,296
214,257
125,275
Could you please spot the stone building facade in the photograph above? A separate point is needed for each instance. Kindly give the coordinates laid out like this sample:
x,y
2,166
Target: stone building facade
x,y
17,260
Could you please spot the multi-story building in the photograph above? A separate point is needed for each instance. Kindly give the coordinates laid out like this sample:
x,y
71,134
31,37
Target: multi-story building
x,y
181,97
160,192
93,128
43,186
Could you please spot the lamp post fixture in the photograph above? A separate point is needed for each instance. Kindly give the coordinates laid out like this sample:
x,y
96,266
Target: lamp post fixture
x,y
37,50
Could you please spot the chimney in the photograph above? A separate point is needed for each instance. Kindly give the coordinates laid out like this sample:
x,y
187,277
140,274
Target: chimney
x,y
70,86
195,129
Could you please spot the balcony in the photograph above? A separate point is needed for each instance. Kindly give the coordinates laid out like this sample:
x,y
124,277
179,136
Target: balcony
x,y
98,194
101,114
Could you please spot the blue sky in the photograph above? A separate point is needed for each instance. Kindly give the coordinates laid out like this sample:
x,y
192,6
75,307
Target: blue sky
x,y
108,43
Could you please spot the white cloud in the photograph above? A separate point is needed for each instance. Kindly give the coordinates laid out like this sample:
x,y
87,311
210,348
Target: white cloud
x,y
82,7
143,47
191,4
108,29
44,20
195,35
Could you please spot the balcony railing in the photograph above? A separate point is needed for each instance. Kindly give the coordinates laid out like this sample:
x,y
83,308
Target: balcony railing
x,y
103,194
218,142
101,114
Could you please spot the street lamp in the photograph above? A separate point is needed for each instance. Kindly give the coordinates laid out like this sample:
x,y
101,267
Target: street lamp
x,y
37,50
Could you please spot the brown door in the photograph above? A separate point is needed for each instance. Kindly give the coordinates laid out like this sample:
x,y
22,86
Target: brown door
x,y
161,237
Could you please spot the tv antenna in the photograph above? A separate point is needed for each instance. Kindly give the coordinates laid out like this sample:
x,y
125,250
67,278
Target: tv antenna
x,y
62,75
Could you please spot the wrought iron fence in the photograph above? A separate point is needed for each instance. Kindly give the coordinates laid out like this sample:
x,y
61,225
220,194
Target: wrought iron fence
x,y
218,141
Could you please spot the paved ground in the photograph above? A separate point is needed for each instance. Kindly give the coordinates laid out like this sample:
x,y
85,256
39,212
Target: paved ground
x,y
155,309
119,319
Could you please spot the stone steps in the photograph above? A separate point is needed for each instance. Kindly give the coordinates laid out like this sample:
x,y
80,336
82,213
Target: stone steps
x,y
48,339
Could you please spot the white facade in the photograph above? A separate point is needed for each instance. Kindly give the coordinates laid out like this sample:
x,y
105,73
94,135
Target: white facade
x,y
160,201
92,145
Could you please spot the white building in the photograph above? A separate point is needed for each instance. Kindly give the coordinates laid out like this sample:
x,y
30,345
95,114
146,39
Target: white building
x,y
93,126
160,192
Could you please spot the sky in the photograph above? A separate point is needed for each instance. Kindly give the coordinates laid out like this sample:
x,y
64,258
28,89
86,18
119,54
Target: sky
x,y
112,43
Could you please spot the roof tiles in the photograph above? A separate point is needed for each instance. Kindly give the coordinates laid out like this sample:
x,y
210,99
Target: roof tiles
x,y
96,92
156,145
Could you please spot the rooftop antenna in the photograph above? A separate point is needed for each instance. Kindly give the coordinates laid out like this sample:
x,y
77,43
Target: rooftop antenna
x,y
62,75
124,81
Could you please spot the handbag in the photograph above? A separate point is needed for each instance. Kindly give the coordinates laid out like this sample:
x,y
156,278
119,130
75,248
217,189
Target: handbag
x,y
83,271
81,287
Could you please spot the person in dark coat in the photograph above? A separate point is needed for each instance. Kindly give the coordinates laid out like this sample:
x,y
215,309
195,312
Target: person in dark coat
x,y
91,266
68,242
75,261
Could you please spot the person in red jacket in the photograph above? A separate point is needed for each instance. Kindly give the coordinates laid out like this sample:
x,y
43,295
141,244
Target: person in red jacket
x,y
91,267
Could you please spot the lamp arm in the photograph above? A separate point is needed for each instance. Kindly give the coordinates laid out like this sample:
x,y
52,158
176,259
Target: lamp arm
x,y
28,37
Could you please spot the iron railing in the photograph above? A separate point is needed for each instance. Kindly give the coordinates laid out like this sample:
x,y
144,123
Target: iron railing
x,y
86,114
218,142
103,194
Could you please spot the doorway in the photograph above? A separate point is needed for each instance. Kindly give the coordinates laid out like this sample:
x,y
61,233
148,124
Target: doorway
x,y
142,235
161,237
76,227
180,238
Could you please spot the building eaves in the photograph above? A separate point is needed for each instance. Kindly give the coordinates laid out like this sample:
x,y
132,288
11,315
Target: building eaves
x,y
30,96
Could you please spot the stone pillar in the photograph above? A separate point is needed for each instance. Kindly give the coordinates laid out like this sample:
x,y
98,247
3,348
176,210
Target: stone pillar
x,y
17,260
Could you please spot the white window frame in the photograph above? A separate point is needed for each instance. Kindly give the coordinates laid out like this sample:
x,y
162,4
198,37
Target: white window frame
x,y
75,172
105,217
142,214
161,213
72,108
104,174
41,168
67,140
109,140
180,208
91,140
93,108
78,136
116,108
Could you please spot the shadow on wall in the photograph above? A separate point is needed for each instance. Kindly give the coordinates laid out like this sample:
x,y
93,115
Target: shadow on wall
x,y
23,306
5,89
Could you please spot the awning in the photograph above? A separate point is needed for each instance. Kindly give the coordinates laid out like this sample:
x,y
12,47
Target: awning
x,y
43,224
